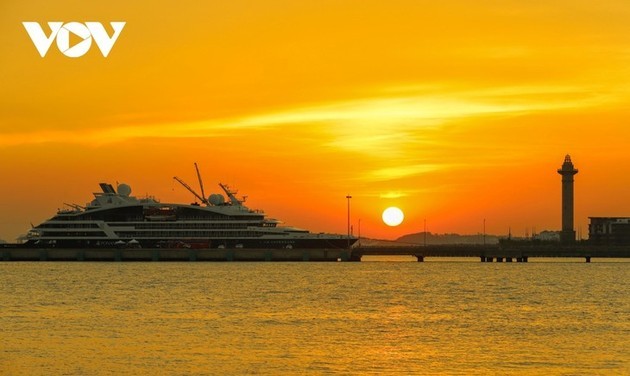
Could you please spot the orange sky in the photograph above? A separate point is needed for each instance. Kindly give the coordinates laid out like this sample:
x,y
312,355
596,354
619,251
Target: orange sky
x,y
455,111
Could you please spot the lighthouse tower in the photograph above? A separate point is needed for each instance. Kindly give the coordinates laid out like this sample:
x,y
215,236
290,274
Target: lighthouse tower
x,y
567,171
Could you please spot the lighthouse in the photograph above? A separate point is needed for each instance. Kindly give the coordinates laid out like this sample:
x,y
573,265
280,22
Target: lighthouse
x,y
567,171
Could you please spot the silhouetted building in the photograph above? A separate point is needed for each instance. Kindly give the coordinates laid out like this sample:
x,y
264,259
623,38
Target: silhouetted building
x,y
609,230
547,236
567,171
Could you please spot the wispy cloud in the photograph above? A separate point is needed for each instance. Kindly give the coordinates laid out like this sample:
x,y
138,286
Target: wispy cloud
x,y
399,172
376,124
393,194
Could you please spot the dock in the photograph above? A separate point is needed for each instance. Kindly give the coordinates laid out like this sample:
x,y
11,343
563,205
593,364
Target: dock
x,y
163,254
485,253
498,252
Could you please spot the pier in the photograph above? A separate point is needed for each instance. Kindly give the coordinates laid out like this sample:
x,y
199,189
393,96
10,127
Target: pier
x,y
484,253
498,253
163,254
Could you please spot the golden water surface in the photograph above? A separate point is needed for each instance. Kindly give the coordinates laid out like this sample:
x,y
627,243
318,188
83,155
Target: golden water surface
x,y
452,318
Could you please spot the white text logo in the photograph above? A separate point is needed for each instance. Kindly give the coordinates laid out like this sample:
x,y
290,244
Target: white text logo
x,y
86,32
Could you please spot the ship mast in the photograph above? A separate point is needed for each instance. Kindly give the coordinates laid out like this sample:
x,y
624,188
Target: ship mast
x,y
231,194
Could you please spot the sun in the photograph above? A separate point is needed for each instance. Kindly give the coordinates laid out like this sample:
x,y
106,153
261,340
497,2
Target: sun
x,y
393,216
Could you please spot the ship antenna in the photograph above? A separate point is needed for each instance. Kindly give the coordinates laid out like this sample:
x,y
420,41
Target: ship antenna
x,y
203,194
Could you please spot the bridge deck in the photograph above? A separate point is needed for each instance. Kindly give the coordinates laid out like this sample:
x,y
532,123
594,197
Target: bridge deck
x,y
496,251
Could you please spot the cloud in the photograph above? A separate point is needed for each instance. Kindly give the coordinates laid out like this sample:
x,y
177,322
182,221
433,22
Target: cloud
x,y
399,172
392,117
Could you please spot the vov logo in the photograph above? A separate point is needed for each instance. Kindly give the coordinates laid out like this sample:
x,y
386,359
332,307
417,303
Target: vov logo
x,y
87,32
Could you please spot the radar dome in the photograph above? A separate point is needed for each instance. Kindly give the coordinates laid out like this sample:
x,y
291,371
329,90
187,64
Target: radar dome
x,y
124,190
216,199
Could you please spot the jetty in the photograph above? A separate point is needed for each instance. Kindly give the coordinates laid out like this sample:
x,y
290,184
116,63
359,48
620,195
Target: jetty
x,y
8,253
507,252
485,253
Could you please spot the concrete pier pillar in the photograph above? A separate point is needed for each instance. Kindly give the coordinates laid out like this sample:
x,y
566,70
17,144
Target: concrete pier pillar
x,y
349,256
192,255
420,258
508,259
499,259
588,258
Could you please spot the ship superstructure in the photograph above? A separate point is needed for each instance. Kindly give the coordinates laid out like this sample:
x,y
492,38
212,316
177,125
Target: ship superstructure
x,y
115,218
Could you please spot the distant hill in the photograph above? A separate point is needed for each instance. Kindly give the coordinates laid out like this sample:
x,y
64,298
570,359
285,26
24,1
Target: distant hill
x,y
366,242
432,239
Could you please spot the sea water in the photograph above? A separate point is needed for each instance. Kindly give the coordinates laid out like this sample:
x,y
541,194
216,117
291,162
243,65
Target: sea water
x,y
431,318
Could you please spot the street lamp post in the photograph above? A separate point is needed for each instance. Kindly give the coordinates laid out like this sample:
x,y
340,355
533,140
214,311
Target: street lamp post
x,y
348,197
425,232
484,231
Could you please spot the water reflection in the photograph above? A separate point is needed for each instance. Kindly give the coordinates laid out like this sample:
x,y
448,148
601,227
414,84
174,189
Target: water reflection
x,y
293,318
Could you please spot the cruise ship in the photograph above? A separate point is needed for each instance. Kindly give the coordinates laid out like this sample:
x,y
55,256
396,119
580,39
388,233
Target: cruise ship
x,y
116,219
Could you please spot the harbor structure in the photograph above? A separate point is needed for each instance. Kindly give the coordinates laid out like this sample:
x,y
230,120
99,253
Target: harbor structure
x,y
609,230
567,235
